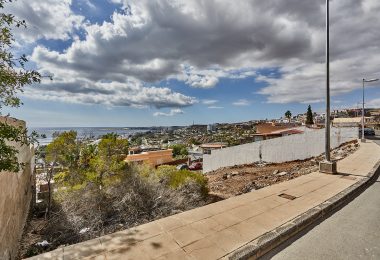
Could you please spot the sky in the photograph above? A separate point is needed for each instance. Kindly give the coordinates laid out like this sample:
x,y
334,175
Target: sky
x,y
175,62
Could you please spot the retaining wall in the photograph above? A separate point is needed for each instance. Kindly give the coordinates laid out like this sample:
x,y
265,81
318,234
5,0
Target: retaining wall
x,y
282,149
15,197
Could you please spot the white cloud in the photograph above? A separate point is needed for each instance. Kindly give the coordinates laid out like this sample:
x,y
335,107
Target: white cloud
x,y
49,19
241,102
172,112
200,42
373,103
209,101
130,93
215,107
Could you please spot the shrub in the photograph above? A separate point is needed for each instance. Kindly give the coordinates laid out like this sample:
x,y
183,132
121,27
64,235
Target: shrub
x,y
178,178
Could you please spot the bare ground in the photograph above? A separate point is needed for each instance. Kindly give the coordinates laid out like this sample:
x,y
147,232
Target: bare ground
x,y
231,181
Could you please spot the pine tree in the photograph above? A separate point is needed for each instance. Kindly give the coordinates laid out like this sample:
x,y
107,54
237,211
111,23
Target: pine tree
x,y
309,116
13,77
288,115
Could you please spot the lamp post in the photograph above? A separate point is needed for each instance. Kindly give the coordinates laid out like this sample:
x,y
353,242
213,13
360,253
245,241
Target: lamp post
x,y
327,166
363,122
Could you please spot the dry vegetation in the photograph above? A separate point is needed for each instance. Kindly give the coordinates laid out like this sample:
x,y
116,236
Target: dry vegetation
x,y
81,214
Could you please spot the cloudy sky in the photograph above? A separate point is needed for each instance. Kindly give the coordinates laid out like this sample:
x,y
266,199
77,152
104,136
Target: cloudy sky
x,y
172,62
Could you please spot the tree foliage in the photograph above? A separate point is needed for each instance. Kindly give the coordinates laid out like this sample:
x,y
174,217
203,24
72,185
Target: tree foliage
x,y
82,162
13,78
179,150
309,116
288,114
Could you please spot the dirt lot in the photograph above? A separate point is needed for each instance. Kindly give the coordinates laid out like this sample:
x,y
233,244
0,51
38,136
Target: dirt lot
x,y
231,181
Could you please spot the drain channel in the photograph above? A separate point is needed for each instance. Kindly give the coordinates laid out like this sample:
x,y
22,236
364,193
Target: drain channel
x,y
287,196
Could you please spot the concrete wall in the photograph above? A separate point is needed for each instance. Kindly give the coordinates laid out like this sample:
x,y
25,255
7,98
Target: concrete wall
x,y
15,197
282,149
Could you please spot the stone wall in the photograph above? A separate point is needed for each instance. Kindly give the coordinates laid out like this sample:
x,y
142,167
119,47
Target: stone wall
x,y
15,197
282,149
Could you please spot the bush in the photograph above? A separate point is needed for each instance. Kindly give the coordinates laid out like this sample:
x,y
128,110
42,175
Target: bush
x,y
178,178
133,200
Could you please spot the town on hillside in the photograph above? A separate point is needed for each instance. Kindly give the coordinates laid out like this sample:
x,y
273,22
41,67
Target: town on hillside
x,y
184,145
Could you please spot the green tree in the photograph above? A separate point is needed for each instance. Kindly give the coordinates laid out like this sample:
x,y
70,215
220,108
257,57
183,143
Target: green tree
x,y
179,150
109,159
309,116
288,115
13,78
63,150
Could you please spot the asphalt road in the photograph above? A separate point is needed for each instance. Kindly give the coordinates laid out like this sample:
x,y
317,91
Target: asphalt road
x,y
351,233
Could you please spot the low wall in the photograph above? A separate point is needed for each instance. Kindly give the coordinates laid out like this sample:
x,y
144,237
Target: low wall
x,y
282,149
15,197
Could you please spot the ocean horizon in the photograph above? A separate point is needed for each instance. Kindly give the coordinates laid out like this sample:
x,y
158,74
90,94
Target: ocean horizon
x,y
94,132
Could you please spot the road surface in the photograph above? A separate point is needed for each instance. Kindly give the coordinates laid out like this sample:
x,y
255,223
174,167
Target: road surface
x,y
351,233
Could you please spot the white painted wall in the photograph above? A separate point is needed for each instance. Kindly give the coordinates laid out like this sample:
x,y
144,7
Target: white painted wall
x,y
288,148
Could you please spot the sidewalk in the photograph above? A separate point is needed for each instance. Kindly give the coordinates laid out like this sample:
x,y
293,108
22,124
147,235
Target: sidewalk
x,y
215,230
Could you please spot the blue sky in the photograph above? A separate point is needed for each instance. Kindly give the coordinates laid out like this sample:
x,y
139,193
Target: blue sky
x,y
149,63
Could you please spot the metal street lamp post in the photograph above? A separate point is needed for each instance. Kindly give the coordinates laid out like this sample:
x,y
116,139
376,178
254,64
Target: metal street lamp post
x,y
327,166
363,121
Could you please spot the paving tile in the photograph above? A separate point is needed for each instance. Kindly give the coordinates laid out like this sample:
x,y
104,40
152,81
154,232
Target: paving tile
x,y
308,187
244,212
185,235
226,219
227,239
119,239
268,220
194,215
204,249
134,252
86,249
170,223
207,226
158,246
175,255
248,230
98,257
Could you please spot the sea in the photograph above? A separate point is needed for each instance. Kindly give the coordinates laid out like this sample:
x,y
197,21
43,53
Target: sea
x,y
92,132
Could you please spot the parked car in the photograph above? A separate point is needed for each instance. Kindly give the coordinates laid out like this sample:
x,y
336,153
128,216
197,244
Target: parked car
x,y
367,131
182,167
196,166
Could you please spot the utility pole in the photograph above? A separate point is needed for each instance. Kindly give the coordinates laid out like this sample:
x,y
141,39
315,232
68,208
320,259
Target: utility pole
x,y
327,166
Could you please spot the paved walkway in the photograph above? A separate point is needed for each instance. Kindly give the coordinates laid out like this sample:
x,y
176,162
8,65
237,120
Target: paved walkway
x,y
355,233
213,231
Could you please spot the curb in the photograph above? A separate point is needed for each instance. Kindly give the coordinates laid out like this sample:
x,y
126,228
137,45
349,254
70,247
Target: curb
x,y
270,240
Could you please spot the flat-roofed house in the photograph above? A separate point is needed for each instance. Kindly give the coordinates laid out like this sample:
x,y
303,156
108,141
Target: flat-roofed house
x,y
267,131
153,158
207,148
